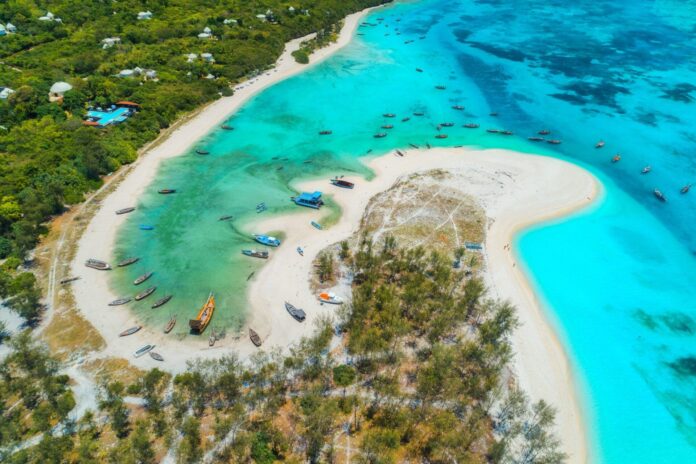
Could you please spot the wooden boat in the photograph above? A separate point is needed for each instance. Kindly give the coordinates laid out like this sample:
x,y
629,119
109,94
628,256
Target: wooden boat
x,y
212,338
342,183
156,356
441,136
646,170
125,210
254,337
267,240
506,132
458,107
202,152
685,189
170,325
446,124
67,280
162,301
308,199
144,350
536,139
471,125
330,298
144,294
440,87
146,227
316,225
166,191
97,264
389,115
128,261
142,278
205,314
120,301
554,142
400,153
227,127
616,158
297,313
256,254
325,132
413,145
418,113
380,135
544,132
388,126
130,331
225,218
405,119
493,114
419,70
300,251
493,131
428,146
599,144
659,195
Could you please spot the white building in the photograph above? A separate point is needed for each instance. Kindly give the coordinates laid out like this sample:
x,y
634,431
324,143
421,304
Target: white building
x,y
50,17
191,57
208,57
110,42
5,92
230,21
11,28
58,90
206,34
126,73
144,15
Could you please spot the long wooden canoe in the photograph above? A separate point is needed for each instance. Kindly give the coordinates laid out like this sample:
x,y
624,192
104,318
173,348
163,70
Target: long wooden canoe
x,y
145,294
205,314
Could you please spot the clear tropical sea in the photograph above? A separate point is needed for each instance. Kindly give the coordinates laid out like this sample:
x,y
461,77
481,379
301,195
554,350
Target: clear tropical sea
x,y
619,280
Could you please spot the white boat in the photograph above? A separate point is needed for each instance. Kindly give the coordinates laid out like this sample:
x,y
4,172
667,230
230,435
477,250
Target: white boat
x,y
330,298
144,350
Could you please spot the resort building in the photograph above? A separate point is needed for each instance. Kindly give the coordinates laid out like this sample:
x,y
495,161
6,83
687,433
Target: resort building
x,y
230,21
110,42
208,57
102,117
206,34
144,15
5,92
137,71
11,28
57,91
191,57
50,17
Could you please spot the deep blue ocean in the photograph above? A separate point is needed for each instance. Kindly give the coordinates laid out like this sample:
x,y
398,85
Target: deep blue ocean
x,y
618,280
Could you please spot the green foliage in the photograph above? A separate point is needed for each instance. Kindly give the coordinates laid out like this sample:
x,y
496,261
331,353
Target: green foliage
x,y
301,56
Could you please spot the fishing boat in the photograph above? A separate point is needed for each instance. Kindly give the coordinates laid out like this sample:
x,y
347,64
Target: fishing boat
x,y
261,207
389,115
125,210
554,142
506,132
544,132
659,195
144,294
493,114
413,145
142,278
330,298
202,152
441,136
146,227
156,356
400,153
388,126
166,191
325,132
297,313
212,338
309,200
458,107
380,135
225,218
128,261
120,301
446,124
170,325
471,125
300,251
428,146
130,331
685,189
316,225
419,70
227,127
405,119
254,337
646,170
161,302
267,240
493,131
599,144
144,350
342,183
97,264
255,254
67,280
536,139
616,158
418,113
205,314
440,87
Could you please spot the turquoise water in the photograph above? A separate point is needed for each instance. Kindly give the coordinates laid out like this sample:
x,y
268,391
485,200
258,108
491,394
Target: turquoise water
x,y
619,281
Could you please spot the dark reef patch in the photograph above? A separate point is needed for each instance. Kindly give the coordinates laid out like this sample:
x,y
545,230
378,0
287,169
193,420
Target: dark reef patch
x,y
645,319
504,53
685,366
680,92
679,323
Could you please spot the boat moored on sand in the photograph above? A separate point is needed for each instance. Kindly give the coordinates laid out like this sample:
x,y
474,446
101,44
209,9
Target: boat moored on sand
x,y
342,183
128,261
205,314
156,356
300,251
130,331
170,325
297,313
120,301
125,210
309,200
144,350
254,337
331,298
98,265
267,240
255,254
316,225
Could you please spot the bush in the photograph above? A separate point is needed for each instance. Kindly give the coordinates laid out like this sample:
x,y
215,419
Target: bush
x,y
301,56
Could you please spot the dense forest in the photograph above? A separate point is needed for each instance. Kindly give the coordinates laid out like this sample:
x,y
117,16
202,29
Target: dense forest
x,y
48,158
415,370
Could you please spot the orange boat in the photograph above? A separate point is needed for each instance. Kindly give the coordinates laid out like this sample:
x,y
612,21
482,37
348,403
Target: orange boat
x,y
199,324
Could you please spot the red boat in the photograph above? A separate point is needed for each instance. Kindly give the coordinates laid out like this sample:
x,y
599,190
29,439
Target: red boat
x,y
342,183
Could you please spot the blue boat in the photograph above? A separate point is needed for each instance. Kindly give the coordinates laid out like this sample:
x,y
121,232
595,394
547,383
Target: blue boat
x,y
146,227
267,240
310,200
316,225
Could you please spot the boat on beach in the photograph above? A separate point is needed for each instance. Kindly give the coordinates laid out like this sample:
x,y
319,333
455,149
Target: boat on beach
x,y
309,200
130,331
267,240
162,301
297,313
212,338
342,183
156,356
67,280
300,251
254,337
128,261
125,210
330,298
144,350
166,191
400,153
205,314
599,144
316,225
255,254
202,152
142,278
170,325
120,301
98,265
646,170
144,294
659,195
